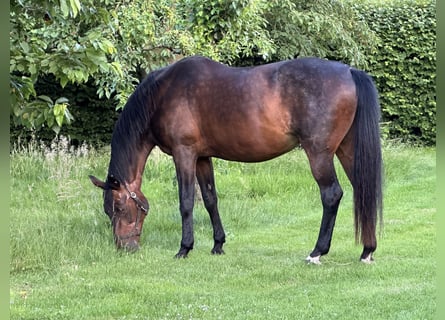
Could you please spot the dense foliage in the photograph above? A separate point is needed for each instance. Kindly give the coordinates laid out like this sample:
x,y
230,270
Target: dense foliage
x,y
404,66
101,49
112,44
106,43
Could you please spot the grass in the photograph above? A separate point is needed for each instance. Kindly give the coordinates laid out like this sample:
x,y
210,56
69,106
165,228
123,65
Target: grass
x,y
64,265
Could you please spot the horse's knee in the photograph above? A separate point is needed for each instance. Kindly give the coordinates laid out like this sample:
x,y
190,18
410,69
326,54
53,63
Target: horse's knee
x,y
186,206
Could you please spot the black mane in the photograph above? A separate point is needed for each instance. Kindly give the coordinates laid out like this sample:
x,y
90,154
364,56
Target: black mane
x,y
133,123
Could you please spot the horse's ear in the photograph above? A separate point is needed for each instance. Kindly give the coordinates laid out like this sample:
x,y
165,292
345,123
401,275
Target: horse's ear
x,y
98,183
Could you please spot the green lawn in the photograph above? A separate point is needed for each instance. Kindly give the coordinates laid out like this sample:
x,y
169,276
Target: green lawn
x,y
64,264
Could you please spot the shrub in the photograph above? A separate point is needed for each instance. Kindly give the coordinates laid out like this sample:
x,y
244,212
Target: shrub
x,y
404,66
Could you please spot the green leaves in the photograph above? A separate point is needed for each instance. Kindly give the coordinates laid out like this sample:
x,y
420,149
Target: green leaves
x,y
44,110
328,29
70,9
74,47
228,30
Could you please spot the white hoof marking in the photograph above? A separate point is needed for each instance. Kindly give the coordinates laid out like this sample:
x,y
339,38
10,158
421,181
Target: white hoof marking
x,y
368,259
313,260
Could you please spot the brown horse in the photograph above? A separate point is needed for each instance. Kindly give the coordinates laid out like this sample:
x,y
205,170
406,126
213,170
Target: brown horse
x,y
196,109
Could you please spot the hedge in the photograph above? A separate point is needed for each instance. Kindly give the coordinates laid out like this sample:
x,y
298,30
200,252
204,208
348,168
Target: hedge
x,y
404,66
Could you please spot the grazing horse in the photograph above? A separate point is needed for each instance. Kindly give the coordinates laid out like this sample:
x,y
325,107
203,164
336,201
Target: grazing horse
x,y
196,109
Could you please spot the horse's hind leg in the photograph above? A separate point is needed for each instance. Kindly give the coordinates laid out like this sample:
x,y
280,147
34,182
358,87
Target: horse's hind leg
x,y
345,154
206,180
322,166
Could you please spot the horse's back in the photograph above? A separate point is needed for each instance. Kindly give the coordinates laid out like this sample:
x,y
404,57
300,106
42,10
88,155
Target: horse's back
x,y
250,114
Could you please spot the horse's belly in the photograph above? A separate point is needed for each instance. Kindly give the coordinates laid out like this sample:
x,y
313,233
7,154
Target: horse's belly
x,y
253,148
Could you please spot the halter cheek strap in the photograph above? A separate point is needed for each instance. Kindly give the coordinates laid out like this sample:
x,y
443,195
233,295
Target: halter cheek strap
x,y
138,201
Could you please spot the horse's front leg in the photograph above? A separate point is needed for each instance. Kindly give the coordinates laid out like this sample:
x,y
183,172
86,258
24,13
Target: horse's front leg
x,y
185,163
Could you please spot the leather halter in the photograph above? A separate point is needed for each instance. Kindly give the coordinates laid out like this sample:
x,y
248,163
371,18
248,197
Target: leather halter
x,y
141,209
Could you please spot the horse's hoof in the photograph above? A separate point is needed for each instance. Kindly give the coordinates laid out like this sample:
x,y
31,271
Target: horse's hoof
x,y
368,260
181,254
313,260
217,251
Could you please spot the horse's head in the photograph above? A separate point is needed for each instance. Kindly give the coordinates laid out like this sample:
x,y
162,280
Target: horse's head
x,y
126,209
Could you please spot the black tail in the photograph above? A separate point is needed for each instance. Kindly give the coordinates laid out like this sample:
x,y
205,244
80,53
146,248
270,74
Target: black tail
x,y
367,178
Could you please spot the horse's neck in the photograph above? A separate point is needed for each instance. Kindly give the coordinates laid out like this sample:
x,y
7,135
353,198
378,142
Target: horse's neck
x,y
134,169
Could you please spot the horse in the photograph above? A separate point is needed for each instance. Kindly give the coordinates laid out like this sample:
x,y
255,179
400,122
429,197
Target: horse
x,y
196,109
